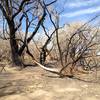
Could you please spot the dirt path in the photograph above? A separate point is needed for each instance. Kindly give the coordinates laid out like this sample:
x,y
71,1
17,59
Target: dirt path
x,y
37,84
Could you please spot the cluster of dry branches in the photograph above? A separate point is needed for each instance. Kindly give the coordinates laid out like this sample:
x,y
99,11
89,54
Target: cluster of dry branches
x,y
77,49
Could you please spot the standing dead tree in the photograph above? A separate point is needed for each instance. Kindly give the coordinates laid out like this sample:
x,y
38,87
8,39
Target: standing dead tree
x,y
44,50
15,13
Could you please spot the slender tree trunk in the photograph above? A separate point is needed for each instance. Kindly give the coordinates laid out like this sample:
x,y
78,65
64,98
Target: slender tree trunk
x,y
43,56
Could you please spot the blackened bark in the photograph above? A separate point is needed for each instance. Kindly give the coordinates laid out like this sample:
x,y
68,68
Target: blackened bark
x,y
16,59
42,56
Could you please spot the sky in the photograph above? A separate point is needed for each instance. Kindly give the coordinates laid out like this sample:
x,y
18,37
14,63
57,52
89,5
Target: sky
x,y
75,11
78,10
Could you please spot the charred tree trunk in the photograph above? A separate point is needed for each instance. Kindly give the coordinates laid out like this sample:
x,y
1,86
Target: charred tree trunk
x,y
16,59
43,56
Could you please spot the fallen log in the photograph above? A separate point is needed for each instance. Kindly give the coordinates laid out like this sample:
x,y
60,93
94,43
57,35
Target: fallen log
x,y
53,70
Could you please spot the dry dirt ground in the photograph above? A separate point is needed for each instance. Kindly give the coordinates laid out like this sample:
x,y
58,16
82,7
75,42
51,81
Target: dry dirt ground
x,y
37,84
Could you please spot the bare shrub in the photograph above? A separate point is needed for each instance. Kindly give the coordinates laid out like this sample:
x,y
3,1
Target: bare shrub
x,y
78,46
4,51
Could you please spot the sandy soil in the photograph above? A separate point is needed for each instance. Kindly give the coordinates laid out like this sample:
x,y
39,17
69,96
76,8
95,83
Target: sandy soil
x,y
37,84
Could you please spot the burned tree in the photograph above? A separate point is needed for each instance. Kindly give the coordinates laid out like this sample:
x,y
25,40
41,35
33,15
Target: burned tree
x,y
17,12
43,55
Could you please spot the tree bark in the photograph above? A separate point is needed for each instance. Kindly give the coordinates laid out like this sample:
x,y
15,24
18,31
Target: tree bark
x,y
16,59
